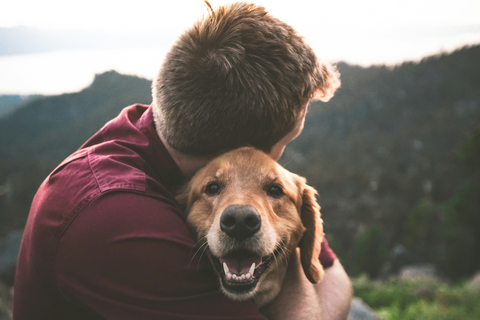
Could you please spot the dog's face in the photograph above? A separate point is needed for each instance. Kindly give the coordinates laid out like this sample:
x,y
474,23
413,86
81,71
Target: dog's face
x,y
252,214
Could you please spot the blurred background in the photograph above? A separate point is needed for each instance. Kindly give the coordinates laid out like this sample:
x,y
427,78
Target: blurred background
x,y
395,155
53,47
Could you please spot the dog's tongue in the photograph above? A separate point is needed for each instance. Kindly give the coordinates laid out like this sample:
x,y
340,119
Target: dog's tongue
x,y
240,263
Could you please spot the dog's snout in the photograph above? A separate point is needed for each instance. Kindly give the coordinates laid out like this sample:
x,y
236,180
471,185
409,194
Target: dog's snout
x,y
240,222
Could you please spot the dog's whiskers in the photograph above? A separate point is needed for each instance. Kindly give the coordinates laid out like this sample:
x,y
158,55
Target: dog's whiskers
x,y
281,252
286,253
203,246
201,241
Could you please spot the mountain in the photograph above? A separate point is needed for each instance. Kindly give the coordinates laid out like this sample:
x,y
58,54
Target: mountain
x,y
10,102
386,143
38,136
391,156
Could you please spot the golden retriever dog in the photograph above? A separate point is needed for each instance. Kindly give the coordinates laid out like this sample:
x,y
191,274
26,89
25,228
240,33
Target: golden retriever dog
x,y
251,214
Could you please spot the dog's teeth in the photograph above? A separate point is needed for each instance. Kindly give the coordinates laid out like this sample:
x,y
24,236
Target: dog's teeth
x,y
238,277
252,268
225,268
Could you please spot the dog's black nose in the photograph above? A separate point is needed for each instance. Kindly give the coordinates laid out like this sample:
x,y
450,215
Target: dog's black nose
x,y
240,222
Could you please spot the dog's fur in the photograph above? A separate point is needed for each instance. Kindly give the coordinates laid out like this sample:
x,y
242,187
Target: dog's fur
x,y
285,205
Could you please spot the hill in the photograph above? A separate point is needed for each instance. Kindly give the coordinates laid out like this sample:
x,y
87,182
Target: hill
x,y
36,137
9,102
386,143
383,154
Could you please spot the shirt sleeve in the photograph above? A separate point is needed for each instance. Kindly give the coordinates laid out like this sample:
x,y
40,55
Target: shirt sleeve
x,y
327,256
131,256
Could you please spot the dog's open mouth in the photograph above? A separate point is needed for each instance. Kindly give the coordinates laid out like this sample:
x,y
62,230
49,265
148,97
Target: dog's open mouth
x,y
240,270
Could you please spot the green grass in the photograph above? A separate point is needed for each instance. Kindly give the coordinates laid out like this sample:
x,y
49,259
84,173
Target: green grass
x,y
425,299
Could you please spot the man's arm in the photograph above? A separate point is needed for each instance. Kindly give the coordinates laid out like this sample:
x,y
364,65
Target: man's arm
x,y
130,256
299,299
335,292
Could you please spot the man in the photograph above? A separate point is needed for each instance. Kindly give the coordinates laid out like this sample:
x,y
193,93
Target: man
x,y
105,238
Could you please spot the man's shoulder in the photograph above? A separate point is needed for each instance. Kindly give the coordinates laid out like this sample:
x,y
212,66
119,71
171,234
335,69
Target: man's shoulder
x,y
130,214
114,166
87,173
90,173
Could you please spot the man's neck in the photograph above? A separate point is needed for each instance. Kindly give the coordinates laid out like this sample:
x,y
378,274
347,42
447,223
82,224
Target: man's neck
x,y
188,164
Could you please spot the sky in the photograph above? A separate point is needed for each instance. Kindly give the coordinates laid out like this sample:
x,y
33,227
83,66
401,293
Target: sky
x,y
361,32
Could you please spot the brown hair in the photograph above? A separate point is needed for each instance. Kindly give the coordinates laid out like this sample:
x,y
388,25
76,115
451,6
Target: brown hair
x,y
237,77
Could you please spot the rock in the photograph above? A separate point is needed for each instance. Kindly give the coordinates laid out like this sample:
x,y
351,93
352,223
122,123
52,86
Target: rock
x,y
419,271
5,302
360,311
4,314
9,249
400,257
474,283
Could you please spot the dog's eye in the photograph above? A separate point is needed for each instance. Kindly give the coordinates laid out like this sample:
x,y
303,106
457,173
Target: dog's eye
x,y
212,189
275,191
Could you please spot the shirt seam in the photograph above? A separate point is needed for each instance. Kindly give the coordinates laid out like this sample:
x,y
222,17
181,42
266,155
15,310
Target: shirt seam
x,y
63,228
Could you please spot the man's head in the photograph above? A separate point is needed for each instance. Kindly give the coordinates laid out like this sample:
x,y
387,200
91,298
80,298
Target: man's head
x,y
238,77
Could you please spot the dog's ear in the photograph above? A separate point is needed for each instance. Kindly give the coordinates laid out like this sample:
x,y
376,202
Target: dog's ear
x,y
183,197
311,243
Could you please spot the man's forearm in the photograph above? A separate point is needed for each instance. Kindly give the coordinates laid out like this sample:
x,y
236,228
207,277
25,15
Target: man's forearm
x,y
299,299
335,293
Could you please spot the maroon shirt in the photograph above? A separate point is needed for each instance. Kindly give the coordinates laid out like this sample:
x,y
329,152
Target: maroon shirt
x,y
106,239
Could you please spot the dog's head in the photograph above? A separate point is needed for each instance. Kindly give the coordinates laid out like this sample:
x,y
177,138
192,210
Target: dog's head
x,y
252,214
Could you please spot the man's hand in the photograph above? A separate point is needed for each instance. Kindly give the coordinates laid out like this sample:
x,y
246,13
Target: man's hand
x,y
299,299
335,293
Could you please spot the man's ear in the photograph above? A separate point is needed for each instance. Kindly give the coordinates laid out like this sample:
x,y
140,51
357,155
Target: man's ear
x,y
330,82
311,243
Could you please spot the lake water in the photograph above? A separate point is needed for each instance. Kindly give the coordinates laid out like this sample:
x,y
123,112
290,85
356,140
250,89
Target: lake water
x,y
70,71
